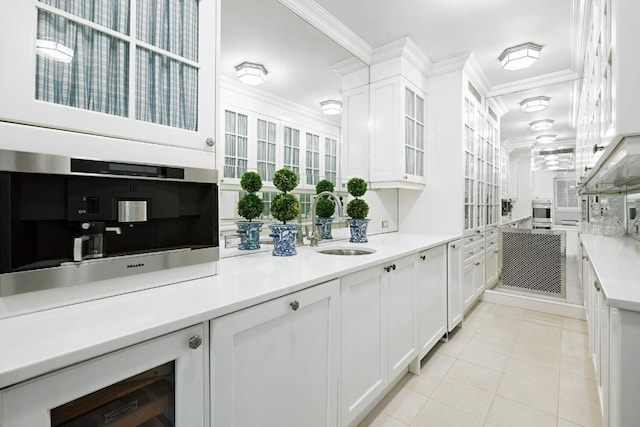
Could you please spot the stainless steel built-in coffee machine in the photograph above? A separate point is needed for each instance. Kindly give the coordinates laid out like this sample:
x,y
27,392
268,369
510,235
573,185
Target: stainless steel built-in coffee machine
x,y
67,221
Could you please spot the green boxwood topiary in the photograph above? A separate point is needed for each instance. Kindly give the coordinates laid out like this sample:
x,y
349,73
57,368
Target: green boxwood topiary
x,y
357,208
325,207
250,206
285,206
324,185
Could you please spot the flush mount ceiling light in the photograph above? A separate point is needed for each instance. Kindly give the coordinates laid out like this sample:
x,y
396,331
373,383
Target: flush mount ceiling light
x,y
546,139
519,57
534,104
553,162
331,107
54,50
551,157
541,124
251,74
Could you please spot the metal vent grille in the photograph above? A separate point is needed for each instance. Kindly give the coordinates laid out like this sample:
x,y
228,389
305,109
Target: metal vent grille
x,y
533,261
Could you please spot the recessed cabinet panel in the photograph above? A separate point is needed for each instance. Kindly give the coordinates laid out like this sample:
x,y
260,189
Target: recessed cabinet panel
x,y
401,297
276,364
431,291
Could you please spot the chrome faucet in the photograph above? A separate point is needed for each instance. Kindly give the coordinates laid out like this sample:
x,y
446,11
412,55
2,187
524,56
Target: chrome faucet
x,y
314,237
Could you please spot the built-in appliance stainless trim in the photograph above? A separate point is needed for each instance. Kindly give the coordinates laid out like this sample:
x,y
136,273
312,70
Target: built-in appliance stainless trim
x,y
76,273
22,161
132,210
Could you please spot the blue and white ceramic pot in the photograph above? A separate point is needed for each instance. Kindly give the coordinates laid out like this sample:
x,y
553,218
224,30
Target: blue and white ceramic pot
x,y
325,227
358,228
284,239
249,232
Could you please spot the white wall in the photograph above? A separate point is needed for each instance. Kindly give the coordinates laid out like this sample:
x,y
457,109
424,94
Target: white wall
x,y
520,172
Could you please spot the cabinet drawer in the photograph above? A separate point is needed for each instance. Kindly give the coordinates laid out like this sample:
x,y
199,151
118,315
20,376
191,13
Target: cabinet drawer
x,y
472,253
473,239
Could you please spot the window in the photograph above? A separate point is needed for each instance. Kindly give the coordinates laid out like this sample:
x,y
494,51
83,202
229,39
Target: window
x,y
305,205
313,159
267,197
292,149
235,144
266,149
331,160
155,54
566,193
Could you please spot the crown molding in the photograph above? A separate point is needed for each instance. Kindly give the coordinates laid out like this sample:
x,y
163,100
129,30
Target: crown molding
x,y
234,86
564,76
479,78
327,24
348,66
445,66
406,48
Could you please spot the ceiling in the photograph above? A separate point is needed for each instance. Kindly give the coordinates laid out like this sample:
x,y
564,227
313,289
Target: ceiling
x,y
442,29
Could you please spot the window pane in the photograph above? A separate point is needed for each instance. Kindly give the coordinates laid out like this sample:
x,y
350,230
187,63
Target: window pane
x,y
96,79
112,14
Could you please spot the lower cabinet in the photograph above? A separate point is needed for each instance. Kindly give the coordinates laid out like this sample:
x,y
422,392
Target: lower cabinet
x,y
431,289
492,265
473,280
454,284
276,364
160,382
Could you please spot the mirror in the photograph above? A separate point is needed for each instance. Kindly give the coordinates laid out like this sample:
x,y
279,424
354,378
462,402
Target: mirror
x,y
300,62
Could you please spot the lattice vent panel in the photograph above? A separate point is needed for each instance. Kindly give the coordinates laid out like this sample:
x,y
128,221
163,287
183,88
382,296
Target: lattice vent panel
x,y
533,262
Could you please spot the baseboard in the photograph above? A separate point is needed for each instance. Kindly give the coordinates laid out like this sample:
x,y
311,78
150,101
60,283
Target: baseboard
x,y
536,304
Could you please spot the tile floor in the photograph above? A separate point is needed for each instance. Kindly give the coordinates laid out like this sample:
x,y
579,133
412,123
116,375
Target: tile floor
x,y
505,367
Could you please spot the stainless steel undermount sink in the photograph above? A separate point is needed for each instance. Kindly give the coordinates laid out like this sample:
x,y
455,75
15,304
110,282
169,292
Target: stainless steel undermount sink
x,y
346,251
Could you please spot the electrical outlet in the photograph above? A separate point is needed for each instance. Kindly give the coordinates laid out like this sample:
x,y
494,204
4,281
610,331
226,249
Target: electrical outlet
x,y
231,241
385,224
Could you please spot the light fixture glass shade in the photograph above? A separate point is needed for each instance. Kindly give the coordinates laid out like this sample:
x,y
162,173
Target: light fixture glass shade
x,y
551,157
519,57
541,124
331,107
546,139
534,104
251,74
552,162
54,50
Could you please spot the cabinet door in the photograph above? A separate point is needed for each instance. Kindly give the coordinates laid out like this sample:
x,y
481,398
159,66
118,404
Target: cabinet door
x,y
454,285
479,281
141,71
431,284
492,263
363,368
467,290
161,381
401,314
275,364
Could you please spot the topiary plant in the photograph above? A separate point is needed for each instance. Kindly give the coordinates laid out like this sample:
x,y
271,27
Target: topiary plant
x,y
285,206
250,206
325,207
357,208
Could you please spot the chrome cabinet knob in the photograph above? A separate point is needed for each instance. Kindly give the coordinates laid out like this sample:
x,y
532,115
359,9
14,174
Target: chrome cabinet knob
x,y
597,285
195,342
295,305
210,142
423,257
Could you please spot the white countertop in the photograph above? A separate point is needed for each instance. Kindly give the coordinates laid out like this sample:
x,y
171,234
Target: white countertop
x,y
37,343
616,262
506,221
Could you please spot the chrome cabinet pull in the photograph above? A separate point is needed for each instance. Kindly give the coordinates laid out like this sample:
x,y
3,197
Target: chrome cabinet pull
x,y
295,305
423,257
195,342
597,285
210,142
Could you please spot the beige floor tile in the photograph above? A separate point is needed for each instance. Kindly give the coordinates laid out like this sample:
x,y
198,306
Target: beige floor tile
x,y
436,414
508,413
534,372
574,325
405,405
425,383
575,344
467,398
542,330
543,318
530,394
578,386
437,363
475,375
455,345
579,411
501,328
531,351
492,343
565,423
577,365
508,311
481,356
381,420
542,341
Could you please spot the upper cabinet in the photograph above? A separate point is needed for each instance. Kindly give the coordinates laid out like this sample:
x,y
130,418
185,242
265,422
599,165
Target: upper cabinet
x,y
135,70
397,114
610,93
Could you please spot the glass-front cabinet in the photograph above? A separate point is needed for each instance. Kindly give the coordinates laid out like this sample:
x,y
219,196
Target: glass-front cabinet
x,y
132,69
160,382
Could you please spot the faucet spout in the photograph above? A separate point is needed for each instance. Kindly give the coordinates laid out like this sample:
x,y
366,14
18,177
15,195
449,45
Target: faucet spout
x,y
314,236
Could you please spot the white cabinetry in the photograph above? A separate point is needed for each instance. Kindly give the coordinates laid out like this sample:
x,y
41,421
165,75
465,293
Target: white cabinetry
x,y
492,258
123,78
277,363
473,273
397,138
454,284
172,368
378,323
431,284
